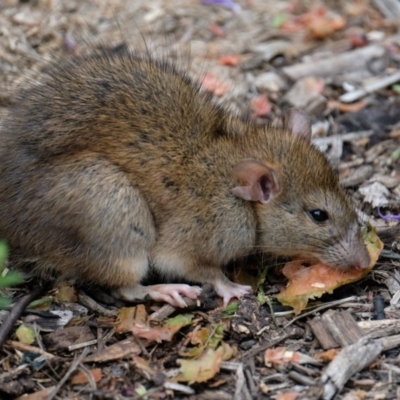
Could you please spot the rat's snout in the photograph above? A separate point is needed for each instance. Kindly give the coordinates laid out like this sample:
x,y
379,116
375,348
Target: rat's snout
x,y
350,253
359,257
362,262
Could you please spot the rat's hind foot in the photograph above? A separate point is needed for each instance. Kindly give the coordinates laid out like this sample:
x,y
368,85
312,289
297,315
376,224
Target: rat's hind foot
x,y
229,290
170,293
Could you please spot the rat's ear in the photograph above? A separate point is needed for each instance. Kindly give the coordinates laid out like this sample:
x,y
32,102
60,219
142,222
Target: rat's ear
x,y
262,181
298,123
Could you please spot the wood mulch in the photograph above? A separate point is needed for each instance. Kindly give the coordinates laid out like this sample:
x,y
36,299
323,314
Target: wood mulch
x,y
337,60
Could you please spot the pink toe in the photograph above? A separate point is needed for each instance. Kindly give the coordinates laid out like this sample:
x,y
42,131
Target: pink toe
x,y
230,290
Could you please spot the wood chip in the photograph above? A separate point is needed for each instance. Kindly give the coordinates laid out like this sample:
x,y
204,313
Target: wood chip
x,y
66,337
348,362
354,60
336,328
358,176
116,351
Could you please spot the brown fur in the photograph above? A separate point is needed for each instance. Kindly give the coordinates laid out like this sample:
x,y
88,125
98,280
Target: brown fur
x,y
114,160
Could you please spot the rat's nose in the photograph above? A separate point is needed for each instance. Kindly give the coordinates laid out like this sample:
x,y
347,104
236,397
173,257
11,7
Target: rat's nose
x,y
361,261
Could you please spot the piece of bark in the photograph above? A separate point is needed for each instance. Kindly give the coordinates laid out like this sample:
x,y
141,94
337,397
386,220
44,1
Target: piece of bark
x,y
115,351
390,342
322,334
343,327
66,337
335,329
377,329
358,176
355,60
353,359
241,391
306,95
348,362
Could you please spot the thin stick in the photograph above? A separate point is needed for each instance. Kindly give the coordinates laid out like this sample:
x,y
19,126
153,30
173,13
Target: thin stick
x,y
372,87
31,349
70,371
16,312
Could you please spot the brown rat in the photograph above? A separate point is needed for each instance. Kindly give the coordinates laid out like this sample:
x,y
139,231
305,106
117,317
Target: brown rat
x,y
115,162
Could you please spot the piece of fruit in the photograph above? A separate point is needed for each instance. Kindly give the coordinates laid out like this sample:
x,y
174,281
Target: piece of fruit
x,y
307,283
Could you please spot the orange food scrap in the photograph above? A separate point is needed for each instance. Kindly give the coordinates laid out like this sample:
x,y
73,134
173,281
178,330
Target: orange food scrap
x,y
281,355
307,283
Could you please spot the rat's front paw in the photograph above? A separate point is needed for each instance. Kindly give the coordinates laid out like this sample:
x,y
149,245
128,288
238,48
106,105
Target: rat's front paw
x,y
229,290
170,293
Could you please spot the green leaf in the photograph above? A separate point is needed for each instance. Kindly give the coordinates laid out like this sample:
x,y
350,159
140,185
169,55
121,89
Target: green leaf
x,y
40,302
4,303
179,320
230,310
11,279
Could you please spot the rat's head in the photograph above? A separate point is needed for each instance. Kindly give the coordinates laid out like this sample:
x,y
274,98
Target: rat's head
x,y
301,208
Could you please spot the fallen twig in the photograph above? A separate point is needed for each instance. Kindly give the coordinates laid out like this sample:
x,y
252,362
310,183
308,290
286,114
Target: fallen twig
x,y
74,366
16,312
377,84
31,349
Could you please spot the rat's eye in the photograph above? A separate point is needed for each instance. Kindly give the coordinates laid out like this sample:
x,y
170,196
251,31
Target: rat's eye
x,y
319,215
